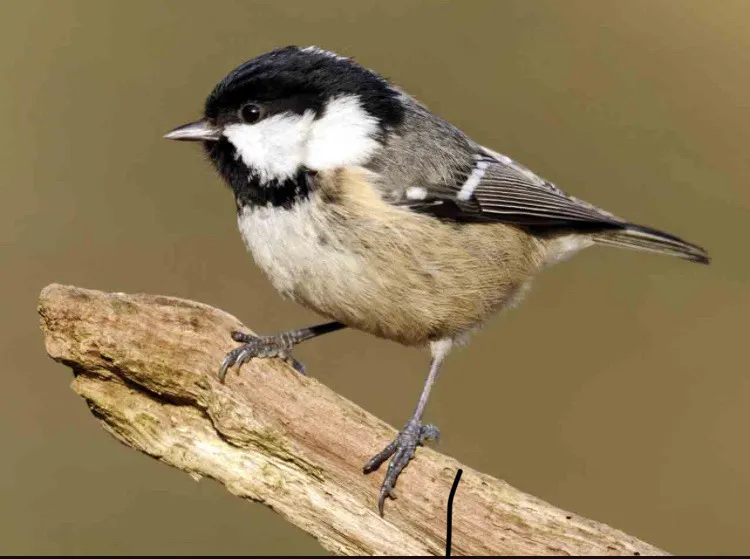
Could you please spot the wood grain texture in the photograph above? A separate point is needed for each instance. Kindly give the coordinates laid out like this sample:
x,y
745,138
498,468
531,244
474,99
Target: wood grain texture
x,y
147,364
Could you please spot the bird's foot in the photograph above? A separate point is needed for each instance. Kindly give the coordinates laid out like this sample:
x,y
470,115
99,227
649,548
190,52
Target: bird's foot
x,y
402,449
279,345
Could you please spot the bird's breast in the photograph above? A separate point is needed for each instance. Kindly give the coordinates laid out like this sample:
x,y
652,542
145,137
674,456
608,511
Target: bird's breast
x,y
292,246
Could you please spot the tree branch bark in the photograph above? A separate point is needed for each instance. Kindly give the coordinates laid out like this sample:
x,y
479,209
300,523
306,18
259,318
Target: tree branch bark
x,y
147,367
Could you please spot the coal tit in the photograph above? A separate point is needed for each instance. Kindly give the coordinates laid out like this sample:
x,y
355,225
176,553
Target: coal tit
x,y
361,204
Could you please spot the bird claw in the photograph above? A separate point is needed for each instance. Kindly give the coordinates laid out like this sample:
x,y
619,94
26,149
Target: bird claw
x,y
403,449
259,346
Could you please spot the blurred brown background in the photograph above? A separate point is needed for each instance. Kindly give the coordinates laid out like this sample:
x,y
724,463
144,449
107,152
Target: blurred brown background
x,y
619,390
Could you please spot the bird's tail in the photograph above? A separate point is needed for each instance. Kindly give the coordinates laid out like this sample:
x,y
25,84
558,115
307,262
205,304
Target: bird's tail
x,y
643,238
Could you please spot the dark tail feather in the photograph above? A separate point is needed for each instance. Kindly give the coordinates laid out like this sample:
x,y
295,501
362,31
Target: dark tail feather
x,y
642,238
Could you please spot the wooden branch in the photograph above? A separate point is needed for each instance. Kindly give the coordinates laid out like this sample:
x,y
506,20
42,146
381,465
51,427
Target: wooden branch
x,y
147,366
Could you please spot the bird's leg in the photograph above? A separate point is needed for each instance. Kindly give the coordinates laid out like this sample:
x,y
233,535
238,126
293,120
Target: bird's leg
x,y
279,345
413,434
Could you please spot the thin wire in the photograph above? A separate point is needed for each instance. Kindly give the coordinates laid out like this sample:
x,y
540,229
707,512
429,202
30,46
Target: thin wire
x,y
450,513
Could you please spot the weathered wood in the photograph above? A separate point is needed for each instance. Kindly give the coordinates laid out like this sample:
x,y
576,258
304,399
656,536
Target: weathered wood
x,y
147,367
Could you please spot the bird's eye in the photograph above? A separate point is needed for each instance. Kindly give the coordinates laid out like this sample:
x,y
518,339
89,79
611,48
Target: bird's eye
x,y
250,113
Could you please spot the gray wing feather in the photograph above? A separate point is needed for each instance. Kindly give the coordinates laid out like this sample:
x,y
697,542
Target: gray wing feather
x,y
507,191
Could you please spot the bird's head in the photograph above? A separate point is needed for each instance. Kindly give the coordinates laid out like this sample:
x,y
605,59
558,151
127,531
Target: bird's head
x,y
293,111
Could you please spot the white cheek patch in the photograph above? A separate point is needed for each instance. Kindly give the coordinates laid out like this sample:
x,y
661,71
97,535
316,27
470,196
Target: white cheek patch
x,y
274,147
279,145
342,136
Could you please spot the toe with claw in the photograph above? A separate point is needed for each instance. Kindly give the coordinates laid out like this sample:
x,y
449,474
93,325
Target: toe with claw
x,y
259,346
402,449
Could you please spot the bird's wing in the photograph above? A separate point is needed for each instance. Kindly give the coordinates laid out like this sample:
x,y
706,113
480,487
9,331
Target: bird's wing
x,y
499,189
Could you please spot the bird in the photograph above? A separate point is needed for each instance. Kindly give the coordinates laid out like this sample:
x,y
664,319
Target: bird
x,y
361,204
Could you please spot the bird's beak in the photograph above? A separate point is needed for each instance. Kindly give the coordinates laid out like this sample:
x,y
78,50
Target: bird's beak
x,y
198,131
